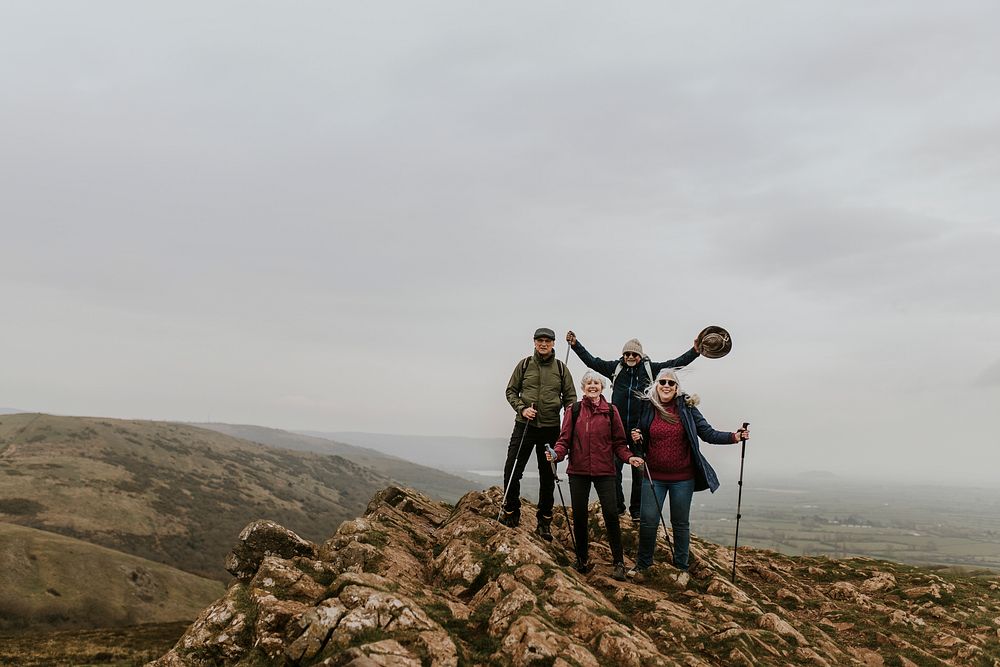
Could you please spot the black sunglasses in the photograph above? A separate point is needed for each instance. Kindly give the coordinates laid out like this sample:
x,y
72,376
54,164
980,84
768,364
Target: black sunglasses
x,y
632,354
665,382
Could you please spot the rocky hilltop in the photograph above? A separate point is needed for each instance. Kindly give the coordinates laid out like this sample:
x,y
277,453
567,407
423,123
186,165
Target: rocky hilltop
x,y
417,582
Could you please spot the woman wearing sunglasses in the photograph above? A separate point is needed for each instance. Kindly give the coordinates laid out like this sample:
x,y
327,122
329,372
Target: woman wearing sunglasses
x,y
669,427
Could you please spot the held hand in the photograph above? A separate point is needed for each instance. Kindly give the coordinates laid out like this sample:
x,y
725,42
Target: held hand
x,y
743,434
571,338
548,457
636,461
636,435
529,413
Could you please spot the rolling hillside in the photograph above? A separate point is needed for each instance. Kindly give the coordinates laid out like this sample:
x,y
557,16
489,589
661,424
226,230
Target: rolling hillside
x,y
172,493
437,484
42,584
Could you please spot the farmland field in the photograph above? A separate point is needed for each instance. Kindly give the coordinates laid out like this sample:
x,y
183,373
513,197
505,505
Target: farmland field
x,y
922,525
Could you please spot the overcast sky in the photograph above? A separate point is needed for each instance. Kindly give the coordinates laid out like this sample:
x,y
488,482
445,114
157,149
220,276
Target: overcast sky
x,y
352,216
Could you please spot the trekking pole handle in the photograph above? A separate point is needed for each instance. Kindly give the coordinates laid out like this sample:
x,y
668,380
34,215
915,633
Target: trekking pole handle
x,y
743,431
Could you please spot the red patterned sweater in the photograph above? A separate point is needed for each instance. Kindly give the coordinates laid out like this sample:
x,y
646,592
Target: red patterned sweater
x,y
669,454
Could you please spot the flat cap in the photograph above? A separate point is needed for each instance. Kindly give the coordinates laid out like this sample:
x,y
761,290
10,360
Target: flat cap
x,y
545,332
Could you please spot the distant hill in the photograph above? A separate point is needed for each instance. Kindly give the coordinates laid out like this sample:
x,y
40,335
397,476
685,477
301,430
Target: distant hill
x,y
42,584
452,453
10,411
173,493
437,484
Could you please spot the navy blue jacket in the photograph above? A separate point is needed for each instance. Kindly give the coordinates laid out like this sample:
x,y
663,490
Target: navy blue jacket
x,y
695,426
631,380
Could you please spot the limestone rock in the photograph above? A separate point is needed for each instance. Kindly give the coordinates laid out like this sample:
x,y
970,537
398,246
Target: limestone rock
x,y
386,653
419,582
776,624
265,538
878,582
283,578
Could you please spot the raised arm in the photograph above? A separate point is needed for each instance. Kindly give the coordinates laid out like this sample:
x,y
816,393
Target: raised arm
x,y
683,360
605,368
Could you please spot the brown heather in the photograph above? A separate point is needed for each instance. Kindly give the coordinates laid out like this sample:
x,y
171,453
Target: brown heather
x,y
170,493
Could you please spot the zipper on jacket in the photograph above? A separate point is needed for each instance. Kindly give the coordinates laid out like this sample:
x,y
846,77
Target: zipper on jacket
x,y
628,399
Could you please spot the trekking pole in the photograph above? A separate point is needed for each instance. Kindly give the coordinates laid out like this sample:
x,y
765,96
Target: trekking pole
x,y
503,503
739,496
666,535
555,474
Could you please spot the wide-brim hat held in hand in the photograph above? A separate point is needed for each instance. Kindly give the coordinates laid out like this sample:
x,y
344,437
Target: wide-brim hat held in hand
x,y
713,342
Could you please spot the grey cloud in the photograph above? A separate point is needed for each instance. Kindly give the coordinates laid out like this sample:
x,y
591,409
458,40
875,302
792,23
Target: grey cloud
x,y
275,211
973,342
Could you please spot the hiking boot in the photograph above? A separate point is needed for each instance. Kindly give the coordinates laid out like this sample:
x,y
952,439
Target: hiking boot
x,y
582,567
637,575
619,573
510,519
544,529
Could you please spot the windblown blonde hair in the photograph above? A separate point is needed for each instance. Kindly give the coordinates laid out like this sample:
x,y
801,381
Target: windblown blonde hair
x,y
650,394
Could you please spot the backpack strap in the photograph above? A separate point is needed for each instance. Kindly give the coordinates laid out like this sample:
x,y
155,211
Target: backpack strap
x,y
645,364
560,365
524,369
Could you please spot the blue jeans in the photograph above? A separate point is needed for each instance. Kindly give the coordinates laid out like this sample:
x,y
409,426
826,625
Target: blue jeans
x,y
680,512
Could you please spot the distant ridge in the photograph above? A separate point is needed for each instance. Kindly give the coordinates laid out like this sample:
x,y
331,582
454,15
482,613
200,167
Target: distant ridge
x,y
453,453
437,484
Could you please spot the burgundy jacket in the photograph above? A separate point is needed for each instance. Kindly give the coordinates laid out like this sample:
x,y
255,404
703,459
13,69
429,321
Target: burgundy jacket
x,y
595,444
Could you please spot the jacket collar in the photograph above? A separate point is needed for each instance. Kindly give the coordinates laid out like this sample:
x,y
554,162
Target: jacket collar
x,y
543,360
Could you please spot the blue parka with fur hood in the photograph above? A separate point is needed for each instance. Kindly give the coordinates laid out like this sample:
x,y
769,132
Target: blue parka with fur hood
x,y
695,427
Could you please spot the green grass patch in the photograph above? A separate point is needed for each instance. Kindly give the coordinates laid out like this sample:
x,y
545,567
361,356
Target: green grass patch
x,y
376,538
615,615
492,566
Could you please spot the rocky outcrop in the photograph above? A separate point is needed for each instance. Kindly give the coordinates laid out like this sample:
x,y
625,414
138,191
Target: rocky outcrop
x,y
417,582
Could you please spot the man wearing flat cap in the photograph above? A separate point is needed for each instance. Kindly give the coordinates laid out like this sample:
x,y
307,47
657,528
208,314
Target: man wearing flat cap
x,y
539,388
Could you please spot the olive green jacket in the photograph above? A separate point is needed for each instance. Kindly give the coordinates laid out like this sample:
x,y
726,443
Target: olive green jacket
x,y
539,381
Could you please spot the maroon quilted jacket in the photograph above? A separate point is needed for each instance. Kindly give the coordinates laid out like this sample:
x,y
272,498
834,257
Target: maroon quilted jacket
x,y
595,444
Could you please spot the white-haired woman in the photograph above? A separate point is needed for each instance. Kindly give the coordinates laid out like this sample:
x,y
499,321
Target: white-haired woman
x,y
669,428
592,435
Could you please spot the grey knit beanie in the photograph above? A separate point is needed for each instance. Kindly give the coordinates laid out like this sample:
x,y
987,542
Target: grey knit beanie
x,y
632,345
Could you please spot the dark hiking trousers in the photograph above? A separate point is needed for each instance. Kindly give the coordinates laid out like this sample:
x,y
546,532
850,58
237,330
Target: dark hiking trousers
x,y
535,439
579,492
635,499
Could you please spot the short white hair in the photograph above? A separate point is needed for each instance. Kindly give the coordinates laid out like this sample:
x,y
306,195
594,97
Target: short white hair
x,y
592,375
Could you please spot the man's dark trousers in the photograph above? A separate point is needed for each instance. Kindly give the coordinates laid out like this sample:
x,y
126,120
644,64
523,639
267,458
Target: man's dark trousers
x,y
635,499
518,454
